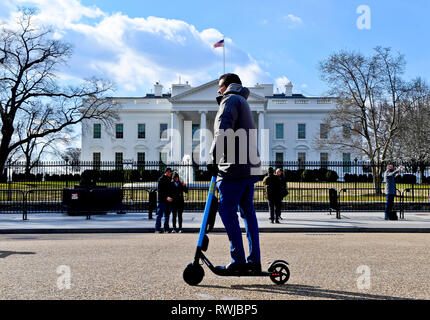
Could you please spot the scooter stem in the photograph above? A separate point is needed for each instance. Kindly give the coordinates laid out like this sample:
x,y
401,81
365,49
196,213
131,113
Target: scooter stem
x,y
206,212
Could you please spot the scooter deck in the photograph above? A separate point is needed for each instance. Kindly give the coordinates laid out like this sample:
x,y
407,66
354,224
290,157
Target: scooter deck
x,y
241,274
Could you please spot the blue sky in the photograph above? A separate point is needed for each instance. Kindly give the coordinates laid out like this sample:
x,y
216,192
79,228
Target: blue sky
x,y
136,43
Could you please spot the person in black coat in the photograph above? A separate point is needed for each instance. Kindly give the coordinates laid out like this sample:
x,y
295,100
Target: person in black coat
x,y
178,188
284,191
273,187
165,199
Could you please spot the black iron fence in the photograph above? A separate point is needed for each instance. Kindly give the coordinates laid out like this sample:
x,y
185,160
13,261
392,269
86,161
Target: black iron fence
x,y
39,189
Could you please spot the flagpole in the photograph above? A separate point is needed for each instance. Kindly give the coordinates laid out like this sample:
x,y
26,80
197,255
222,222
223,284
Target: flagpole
x,y
223,52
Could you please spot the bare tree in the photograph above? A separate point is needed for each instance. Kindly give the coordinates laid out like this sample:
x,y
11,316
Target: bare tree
x,y
370,102
412,144
33,121
28,77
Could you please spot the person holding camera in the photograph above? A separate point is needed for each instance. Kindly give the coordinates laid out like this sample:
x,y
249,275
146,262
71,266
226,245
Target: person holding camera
x,y
390,190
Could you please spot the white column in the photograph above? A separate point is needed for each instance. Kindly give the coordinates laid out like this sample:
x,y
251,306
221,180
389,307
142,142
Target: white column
x,y
188,138
203,142
175,137
263,138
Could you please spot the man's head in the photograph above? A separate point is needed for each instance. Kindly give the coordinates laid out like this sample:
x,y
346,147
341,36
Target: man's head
x,y
390,167
168,172
270,170
278,172
227,79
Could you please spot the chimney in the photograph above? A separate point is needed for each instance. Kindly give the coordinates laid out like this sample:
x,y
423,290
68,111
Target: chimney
x,y
289,89
158,89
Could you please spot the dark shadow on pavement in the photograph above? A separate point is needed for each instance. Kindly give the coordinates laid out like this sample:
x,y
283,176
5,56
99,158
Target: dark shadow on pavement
x,y
308,291
5,254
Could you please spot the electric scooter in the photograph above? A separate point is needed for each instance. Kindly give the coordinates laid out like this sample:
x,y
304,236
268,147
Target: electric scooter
x,y
194,272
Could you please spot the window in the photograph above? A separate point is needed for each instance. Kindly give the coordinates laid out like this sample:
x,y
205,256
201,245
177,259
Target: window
x,y
279,131
346,130
141,131
301,158
324,159
140,160
346,157
301,131
194,129
97,131
96,160
279,157
163,131
118,160
323,131
119,131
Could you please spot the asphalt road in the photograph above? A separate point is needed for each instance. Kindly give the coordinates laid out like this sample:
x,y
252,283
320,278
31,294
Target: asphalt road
x,y
149,266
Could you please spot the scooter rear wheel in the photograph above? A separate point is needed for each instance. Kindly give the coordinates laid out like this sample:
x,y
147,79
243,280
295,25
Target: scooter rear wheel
x,y
193,274
279,273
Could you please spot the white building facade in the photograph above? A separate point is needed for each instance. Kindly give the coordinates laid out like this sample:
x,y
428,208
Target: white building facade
x,y
179,125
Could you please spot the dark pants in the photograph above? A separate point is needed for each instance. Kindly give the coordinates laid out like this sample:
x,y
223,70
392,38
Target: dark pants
x,y
234,193
163,209
275,208
177,211
389,205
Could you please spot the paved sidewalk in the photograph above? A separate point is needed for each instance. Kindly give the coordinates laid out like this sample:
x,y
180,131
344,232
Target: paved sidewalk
x,y
139,222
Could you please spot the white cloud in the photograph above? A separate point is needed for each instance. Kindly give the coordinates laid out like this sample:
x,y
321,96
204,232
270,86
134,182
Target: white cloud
x,y
136,52
293,21
281,82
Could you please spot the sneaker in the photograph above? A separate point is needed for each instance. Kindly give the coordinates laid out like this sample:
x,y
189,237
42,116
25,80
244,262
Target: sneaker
x,y
271,221
158,231
173,231
232,268
277,221
180,231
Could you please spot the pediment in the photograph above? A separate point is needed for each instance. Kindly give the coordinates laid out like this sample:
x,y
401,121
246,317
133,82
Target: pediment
x,y
207,93
279,147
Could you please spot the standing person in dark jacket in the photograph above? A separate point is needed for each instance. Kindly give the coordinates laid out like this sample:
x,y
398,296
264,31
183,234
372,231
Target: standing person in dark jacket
x,y
178,188
284,191
237,165
164,200
390,188
273,187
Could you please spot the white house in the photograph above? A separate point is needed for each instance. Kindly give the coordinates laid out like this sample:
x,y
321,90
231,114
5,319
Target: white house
x,y
179,124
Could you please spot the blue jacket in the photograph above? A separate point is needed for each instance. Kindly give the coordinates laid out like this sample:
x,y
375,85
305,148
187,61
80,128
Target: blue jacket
x,y
390,186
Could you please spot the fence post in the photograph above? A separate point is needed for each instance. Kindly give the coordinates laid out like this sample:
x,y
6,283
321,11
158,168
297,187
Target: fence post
x,y
24,206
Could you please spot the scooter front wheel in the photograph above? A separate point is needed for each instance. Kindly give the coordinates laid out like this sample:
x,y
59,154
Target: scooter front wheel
x,y
279,273
193,274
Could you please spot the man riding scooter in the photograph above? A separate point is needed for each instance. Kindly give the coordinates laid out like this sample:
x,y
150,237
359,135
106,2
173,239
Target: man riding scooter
x,y
236,163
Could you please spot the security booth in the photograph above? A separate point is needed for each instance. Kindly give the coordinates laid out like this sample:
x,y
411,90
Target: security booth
x,y
88,198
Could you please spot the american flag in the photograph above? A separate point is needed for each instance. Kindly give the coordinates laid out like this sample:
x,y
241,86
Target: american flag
x,y
219,44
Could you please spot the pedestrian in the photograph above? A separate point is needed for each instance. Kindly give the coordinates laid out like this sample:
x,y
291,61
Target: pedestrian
x,y
236,163
273,188
178,188
165,200
390,189
284,191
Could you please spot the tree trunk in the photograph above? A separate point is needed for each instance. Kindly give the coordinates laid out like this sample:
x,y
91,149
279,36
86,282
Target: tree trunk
x,y
7,132
377,179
